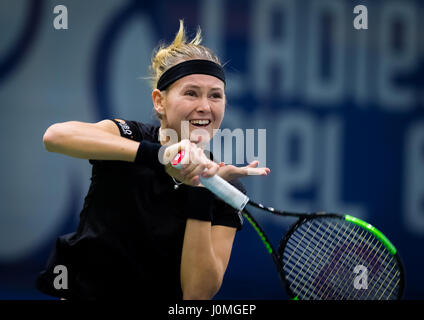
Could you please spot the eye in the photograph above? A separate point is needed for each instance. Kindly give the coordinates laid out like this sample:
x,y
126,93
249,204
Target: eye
x,y
216,95
190,93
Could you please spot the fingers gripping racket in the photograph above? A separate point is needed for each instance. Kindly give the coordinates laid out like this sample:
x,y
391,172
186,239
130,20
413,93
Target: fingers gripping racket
x,y
324,256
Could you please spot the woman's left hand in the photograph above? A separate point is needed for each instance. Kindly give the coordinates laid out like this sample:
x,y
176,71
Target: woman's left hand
x,y
230,172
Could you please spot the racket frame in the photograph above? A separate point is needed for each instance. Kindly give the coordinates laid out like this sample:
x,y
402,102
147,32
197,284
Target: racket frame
x,y
303,218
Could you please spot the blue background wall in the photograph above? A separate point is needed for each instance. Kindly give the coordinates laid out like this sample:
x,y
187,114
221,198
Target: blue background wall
x,y
342,109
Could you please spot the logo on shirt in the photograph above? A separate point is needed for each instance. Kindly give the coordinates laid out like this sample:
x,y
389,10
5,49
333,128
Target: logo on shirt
x,y
125,128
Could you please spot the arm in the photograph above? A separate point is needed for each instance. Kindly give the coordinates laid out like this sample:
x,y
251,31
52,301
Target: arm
x,y
97,141
205,256
222,242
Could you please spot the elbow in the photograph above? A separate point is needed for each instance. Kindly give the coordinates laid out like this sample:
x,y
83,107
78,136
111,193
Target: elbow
x,y
53,136
204,287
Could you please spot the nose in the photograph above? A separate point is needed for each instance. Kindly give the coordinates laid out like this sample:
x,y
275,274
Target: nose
x,y
203,106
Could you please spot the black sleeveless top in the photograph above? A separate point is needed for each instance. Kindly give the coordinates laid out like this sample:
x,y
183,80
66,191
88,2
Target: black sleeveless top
x,y
129,240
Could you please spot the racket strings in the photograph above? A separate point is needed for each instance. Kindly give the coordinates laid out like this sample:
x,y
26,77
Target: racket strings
x,y
300,243
345,264
326,254
299,256
374,249
310,283
304,273
333,281
357,260
315,265
379,278
397,275
304,254
310,233
377,283
386,283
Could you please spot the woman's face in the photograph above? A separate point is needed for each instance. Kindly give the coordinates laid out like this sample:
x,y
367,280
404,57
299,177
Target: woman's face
x,y
193,102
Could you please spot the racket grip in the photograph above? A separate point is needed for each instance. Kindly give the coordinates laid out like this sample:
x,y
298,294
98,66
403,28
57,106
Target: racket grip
x,y
218,186
225,191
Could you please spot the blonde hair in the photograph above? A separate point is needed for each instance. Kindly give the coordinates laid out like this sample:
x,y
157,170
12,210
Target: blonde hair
x,y
178,51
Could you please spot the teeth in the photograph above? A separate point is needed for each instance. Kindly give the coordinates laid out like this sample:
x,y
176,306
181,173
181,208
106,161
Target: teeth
x,y
200,122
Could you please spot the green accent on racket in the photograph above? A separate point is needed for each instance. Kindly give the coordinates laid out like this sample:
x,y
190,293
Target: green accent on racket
x,y
377,233
260,233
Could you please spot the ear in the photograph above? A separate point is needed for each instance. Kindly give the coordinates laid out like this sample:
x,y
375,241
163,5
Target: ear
x,y
158,101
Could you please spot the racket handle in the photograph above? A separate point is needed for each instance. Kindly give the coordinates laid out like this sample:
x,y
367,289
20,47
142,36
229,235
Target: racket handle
x,y
225,191
218,186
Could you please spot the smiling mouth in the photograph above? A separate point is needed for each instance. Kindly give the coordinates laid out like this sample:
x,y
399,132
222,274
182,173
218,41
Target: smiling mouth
x,y
200,123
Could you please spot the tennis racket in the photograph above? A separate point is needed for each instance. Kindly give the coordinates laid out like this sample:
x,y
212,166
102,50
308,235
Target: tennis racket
x,y
324,256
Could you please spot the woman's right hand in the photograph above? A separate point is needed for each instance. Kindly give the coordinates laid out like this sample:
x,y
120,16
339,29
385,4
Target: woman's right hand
x,y
194,164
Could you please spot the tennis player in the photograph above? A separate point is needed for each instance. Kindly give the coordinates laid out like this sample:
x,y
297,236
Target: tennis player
x,y
148,230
